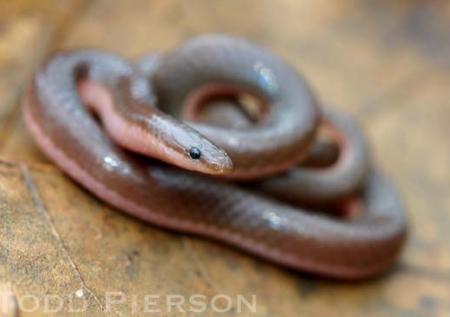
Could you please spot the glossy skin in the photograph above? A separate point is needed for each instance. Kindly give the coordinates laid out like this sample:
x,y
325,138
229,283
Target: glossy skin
x,y
190,202
332,184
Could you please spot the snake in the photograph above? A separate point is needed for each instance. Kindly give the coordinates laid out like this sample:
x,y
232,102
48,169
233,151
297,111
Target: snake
x,y
131,134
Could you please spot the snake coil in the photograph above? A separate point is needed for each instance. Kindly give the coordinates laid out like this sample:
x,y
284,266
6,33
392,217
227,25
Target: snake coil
x,y
242,153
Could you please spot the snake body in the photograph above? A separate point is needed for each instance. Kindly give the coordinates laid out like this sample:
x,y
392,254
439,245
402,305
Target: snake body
x,y
141,107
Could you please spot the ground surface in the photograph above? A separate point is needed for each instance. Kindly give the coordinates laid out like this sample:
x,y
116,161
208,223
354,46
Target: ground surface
x,y
386,62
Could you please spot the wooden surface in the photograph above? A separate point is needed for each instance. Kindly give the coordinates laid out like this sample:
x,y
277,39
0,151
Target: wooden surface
x,y
387,62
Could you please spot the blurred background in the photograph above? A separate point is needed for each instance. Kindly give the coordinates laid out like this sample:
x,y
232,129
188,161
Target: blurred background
x,y
385,62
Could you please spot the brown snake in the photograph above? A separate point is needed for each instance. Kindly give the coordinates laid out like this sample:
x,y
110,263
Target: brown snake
x,y
154,108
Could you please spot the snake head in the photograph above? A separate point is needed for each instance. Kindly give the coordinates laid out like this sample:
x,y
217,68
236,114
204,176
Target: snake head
x,y
177,143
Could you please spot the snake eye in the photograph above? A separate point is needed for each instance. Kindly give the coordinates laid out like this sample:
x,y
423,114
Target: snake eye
x,y
195,153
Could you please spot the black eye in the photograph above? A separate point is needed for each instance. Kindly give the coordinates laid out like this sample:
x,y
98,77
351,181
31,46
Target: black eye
x,y
195,153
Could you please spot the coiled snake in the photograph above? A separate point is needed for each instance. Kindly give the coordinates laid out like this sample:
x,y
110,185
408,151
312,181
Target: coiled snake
x,y
282,157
